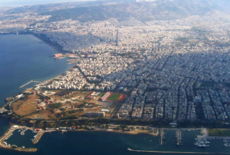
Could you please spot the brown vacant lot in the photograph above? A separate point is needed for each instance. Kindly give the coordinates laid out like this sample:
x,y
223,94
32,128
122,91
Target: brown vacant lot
x,y
25,106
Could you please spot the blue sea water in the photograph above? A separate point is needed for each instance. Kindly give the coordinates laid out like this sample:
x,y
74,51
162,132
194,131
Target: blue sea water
x,y
24,58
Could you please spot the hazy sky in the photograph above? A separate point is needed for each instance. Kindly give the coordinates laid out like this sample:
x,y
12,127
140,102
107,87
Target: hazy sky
x,y
5,3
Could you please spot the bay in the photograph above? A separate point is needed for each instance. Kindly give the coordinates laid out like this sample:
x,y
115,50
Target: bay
x,y
24,58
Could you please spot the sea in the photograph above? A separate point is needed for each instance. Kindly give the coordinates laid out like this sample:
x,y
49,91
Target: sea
x,y
24,58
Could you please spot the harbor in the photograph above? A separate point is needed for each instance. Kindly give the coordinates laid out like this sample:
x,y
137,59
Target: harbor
x,y
200,142
7,135
38,136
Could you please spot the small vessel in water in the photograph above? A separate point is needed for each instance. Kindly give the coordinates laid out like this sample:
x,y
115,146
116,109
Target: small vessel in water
x,y
22,132
227,142
202,142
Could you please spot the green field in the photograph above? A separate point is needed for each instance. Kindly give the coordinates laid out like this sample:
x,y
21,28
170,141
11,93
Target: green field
x,y
114,97
55,105
219,132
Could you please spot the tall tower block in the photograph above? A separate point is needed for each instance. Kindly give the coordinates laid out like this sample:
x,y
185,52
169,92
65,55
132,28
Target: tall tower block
x,y
117,37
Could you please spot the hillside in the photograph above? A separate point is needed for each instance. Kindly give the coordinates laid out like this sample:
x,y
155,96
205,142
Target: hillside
x,y
142,11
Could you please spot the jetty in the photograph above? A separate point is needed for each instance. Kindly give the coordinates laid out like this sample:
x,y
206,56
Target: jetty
x,y
3,110
175,152
155,132
178,137
38,136
162,136
28,83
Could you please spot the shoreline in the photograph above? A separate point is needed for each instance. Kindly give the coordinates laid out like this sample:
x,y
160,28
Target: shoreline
x,y
40,133
40,36
136,130
157,123
50,43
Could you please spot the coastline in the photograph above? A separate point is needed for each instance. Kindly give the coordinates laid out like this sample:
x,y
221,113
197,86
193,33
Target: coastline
x,y
158,123
131,132
174,152
41,132
42,37
54,46
139,130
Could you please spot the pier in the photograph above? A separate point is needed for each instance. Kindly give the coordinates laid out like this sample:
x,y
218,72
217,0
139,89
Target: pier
x,y
155,132
174,152
28,83
3,110
178,137
38,136
162,136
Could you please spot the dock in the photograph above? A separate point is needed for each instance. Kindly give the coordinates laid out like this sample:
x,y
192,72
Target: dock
x,y
3,110
174,152
178,137
162,136
155,132
28,83
38,136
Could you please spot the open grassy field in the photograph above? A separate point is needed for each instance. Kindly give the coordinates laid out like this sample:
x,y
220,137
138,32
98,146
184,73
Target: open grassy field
x,y
42,115
219,132
114,97
58,104
25,107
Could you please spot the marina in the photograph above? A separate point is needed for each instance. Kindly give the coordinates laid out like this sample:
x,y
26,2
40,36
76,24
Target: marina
x,y
202,142
226,142
7,135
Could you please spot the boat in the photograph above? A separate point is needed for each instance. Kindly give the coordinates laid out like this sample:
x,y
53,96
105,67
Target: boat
x,y
129,149
22,133
227,142
202,142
